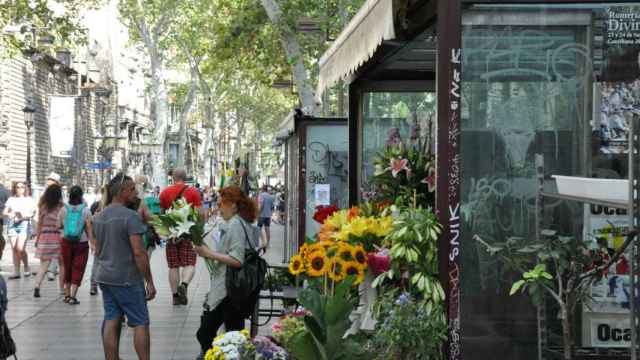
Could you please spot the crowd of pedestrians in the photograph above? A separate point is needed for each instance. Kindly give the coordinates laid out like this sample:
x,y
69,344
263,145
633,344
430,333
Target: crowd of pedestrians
x,y
112,224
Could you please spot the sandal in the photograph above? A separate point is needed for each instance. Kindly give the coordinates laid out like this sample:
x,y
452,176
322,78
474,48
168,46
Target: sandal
x,y
66,299
73,301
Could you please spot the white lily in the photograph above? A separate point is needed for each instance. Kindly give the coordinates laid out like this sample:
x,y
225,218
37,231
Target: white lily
x,y
184,228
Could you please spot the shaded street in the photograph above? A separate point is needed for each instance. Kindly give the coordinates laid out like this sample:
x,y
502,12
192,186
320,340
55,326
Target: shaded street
x,y
47,328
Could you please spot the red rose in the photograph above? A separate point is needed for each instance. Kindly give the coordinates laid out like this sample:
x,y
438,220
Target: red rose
x,y
323,212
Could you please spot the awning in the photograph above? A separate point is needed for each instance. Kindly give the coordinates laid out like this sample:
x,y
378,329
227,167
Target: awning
x,y
357,42
286,128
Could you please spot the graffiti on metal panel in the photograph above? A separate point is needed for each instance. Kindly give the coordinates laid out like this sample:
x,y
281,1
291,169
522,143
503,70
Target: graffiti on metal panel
x,y
453,190
334,162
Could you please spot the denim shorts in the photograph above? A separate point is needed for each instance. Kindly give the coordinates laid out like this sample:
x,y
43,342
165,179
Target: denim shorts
x,y
19,229
125,300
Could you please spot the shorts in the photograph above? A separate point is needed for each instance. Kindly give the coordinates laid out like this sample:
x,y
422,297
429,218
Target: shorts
x,y
19,229
125,300
264,221
180,254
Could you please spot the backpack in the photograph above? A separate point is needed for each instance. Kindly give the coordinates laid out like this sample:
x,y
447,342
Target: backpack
x,y
244,283
73,223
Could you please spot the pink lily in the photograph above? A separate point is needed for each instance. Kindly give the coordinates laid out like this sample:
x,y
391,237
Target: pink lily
x,y
430,180
397,165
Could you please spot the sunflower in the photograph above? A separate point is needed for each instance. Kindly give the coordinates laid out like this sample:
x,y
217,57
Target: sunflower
x,y
360,256
345,251
351,268
304,250
337,270
296,265
318,264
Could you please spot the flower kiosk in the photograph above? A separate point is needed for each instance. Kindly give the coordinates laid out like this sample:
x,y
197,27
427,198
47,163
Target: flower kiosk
x,y
526,92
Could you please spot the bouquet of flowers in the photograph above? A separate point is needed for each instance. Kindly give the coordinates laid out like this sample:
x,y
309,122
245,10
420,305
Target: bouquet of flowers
x,y
228,346
266,349
405,171
181,221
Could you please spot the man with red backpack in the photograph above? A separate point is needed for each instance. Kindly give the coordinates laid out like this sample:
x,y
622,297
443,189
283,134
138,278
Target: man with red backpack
x,y
181,257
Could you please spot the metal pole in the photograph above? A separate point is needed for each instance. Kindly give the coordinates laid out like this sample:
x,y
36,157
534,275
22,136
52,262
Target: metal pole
x,y
634,213
29,157
210,171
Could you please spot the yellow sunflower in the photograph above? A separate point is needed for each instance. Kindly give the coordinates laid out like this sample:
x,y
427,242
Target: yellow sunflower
x,y
337,270
353,269
360,256
345,251
304,250
296,265
318,264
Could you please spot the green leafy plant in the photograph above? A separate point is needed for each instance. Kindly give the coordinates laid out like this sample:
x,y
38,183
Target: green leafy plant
x,y
414,251
407,329
287,329
562,267
326,325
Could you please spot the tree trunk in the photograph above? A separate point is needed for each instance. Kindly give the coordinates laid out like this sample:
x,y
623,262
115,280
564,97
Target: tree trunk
x,y
184,117
294,52
566,333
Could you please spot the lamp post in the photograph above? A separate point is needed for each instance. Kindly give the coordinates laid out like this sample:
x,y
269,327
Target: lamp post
x,y
211,153
28,111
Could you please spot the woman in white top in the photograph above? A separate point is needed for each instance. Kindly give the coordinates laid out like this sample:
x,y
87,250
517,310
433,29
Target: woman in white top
x,y
19,209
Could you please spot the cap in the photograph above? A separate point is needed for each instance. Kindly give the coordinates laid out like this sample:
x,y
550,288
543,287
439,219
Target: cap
x,y
53,176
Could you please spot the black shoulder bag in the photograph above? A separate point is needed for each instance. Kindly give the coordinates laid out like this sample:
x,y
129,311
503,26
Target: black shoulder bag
x,y
244,283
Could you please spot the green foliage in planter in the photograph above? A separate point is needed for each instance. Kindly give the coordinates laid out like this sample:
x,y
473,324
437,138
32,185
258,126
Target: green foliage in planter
x,y
291,327
408,330
326,326
414,251
564,268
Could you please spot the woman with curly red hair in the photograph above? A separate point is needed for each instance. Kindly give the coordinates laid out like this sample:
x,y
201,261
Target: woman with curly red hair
x,y
237,234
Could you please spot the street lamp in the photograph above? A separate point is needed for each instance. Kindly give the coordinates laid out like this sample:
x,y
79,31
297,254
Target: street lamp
x,y
211,153
28,111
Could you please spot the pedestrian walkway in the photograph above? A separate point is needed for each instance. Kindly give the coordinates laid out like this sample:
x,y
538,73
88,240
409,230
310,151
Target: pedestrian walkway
x,y
47,328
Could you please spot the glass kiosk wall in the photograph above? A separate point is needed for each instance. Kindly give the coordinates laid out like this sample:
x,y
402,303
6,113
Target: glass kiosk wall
x,y
562,81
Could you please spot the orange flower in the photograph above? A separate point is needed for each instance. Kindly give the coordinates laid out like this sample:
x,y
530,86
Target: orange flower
x,y
352,213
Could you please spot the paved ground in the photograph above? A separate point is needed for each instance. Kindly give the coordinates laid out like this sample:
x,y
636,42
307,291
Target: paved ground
x,y
47,328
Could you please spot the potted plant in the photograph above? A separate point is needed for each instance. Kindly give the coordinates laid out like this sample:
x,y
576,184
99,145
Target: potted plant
x,y
561,267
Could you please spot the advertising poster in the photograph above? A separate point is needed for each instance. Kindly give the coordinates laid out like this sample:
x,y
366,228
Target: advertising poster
x,y
62,117
606,313
619,89
323,194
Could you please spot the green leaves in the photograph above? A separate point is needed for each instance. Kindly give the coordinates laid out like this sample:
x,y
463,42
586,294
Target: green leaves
x,y
327,324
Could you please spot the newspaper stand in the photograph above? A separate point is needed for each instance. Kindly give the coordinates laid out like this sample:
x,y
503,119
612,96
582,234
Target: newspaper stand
x,y
547,188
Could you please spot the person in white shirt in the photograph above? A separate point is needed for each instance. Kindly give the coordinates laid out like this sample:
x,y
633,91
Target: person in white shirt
x,y
19,209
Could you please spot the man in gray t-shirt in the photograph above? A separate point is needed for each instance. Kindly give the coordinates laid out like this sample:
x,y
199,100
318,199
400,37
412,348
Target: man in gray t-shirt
x,y
266,201
122,269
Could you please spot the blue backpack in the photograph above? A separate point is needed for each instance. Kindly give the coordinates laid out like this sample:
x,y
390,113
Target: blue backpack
x,y
73,223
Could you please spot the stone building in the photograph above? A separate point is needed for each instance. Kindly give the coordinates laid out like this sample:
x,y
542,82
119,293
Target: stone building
x,y
38,76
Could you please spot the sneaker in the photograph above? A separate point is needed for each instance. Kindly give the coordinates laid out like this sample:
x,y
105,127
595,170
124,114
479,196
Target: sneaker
x,y
27,274
36,292
182,292
50,276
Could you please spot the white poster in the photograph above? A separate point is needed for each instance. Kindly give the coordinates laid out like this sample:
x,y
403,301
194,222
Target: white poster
x,y
323,194
62,117
612,332
606,311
